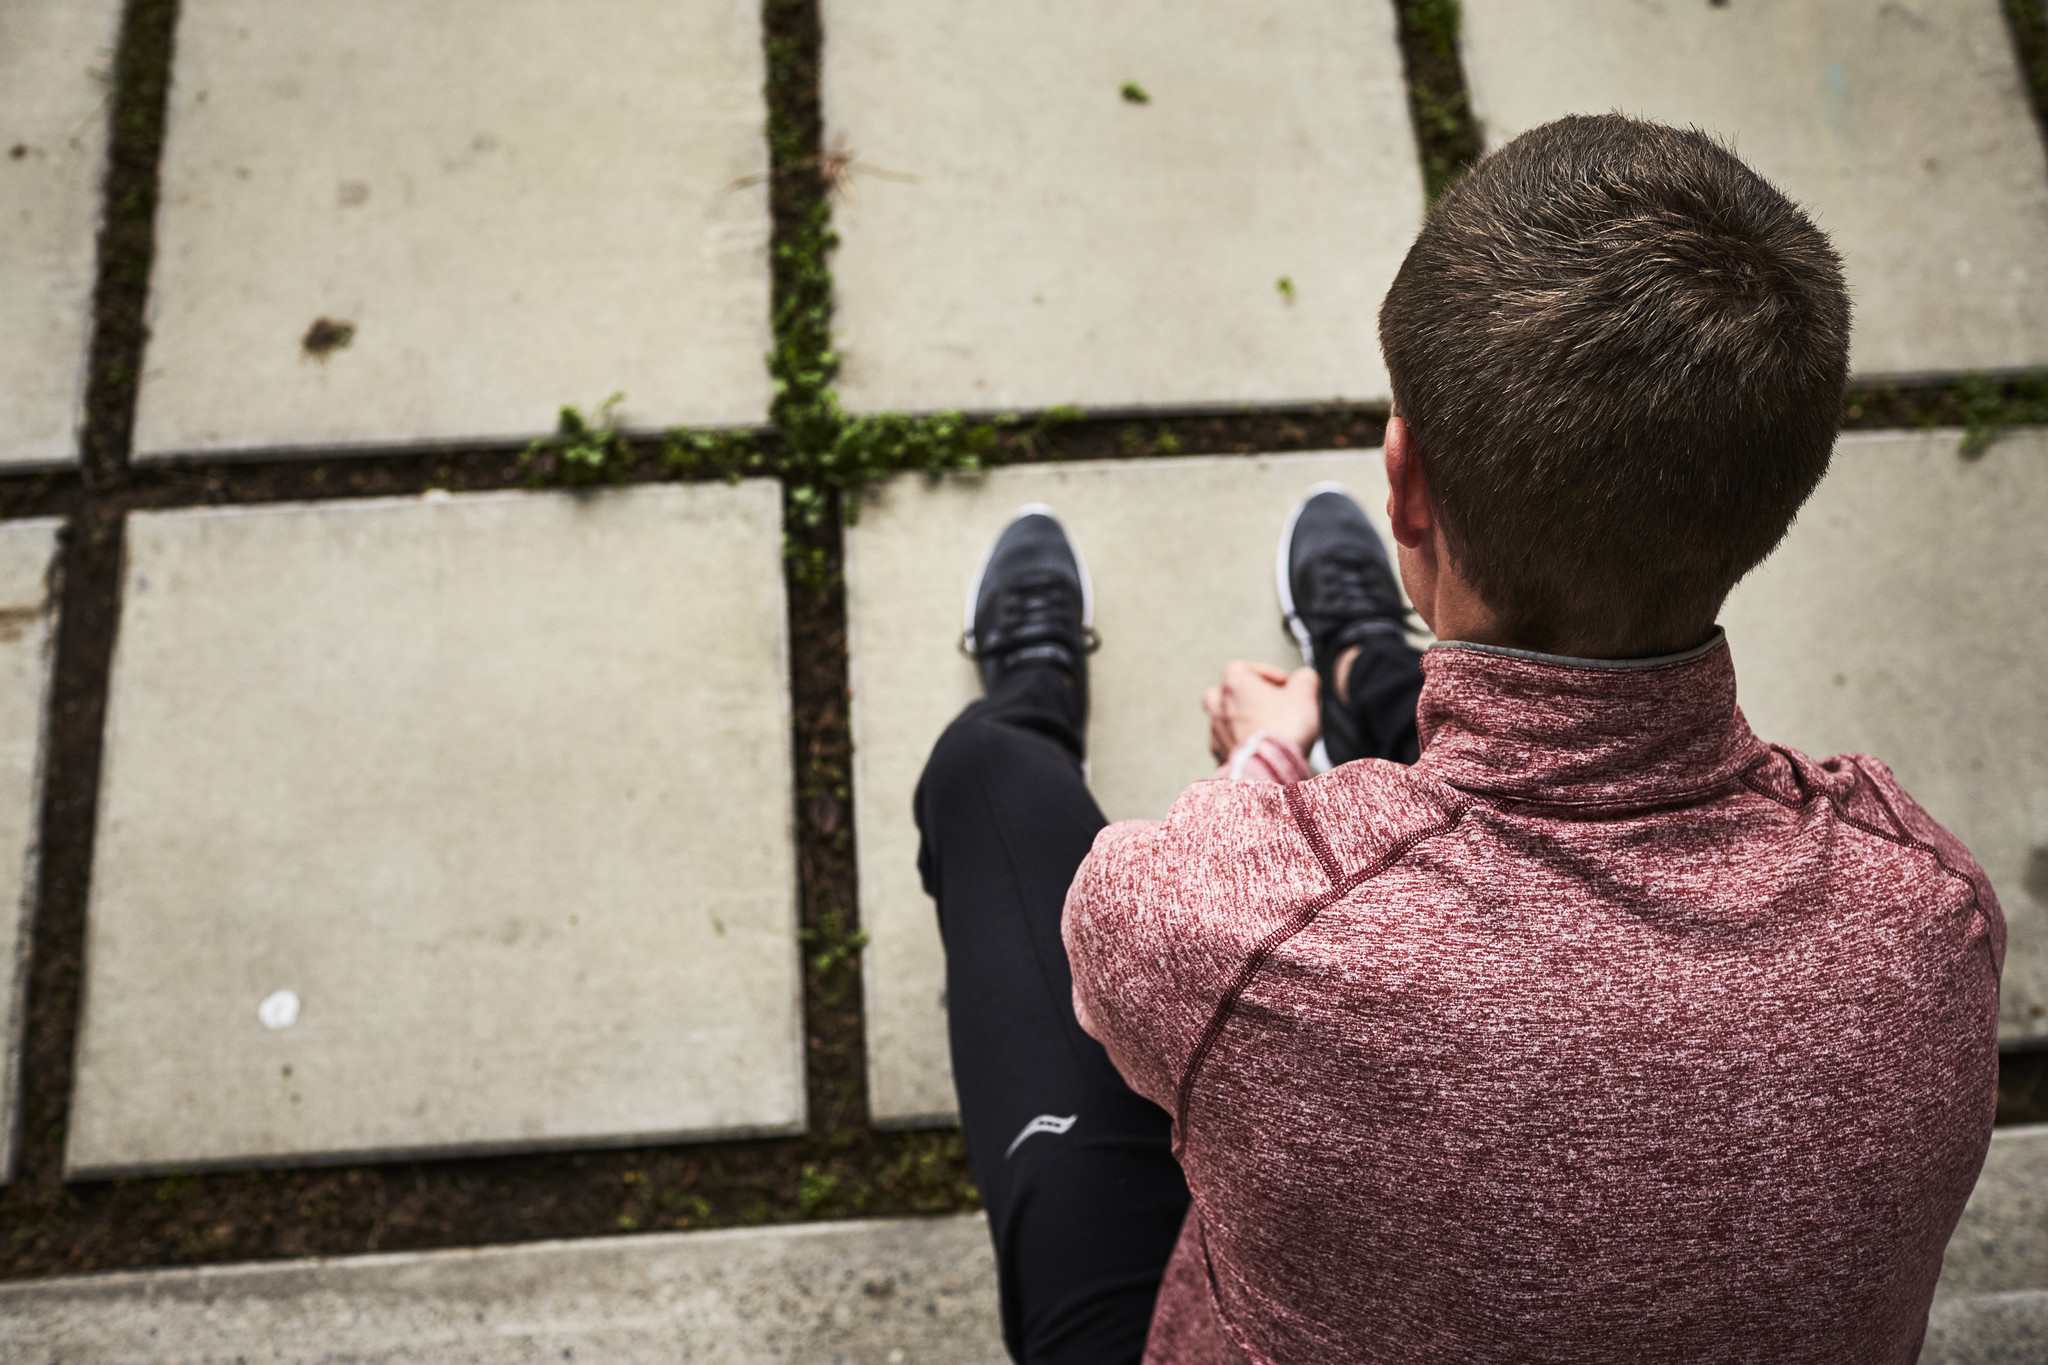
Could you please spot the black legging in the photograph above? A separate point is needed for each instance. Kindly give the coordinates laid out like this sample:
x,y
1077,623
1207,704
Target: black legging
x,y
1084,1197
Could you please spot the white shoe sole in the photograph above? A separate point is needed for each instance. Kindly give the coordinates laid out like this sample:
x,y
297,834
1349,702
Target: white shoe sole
x,y
981,571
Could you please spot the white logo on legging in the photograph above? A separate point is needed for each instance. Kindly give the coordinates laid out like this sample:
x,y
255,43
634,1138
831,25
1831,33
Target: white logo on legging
x,y
1044,1123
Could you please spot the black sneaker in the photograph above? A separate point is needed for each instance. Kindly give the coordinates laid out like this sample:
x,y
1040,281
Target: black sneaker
x,y
1031,603
1337,589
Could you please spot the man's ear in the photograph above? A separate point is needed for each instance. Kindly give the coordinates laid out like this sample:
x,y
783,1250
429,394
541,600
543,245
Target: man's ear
x,y
1409,507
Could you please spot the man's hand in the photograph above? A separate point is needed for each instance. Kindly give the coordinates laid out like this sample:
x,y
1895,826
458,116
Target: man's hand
x,y
1253,697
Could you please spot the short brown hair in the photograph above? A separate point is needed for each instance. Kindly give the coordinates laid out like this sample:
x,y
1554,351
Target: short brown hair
x,y
1621,355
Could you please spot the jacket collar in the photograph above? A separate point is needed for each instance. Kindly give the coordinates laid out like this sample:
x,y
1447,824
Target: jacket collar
x,y
1581,732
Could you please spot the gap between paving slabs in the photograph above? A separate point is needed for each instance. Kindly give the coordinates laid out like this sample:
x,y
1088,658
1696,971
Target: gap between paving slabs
x,y
1445,130
2028,20
841,1167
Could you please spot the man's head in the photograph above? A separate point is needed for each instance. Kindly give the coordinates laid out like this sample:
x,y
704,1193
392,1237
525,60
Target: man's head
x,y
1619,355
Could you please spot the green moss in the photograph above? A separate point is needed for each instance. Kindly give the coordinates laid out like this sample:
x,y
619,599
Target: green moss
x,y
816,1186
832,955
1990,406
583,450
1445,130
1437,21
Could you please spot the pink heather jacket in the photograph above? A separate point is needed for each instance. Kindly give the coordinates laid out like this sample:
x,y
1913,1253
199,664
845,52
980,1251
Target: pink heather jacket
x,y
1604,1033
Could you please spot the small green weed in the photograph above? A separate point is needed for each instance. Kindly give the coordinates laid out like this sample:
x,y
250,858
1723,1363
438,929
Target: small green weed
x,y
833,955
1990,406
1285,284
687,1208
729,455
930,1174
591,449
1438,21
1134,93
815,1186
1132,441
583,450
1440,116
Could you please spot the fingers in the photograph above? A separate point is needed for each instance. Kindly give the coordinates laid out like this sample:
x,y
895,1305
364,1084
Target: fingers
x,y
1243,672
1254,697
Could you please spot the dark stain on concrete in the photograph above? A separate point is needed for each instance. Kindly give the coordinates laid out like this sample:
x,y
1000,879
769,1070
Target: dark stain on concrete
x,y
15,622
326,336
2035,878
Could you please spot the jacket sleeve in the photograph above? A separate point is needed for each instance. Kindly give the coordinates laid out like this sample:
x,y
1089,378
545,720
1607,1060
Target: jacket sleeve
x,y
1163,914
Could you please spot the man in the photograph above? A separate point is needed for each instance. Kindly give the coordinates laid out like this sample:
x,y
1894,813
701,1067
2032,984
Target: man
x,y
1603,1032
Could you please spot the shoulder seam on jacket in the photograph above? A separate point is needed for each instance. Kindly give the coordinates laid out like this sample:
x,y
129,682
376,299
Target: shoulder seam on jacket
x,y
1910,840
1899,836
1747,777
1313,832
1294,924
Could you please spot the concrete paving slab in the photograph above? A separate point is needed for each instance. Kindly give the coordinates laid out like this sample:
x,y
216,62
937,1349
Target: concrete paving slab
x,y
1020,231
443,824
28,634
870,1293
1181,554
2001,1244
1904,128
1987,1329
54,60
1991,1306
1902,618
386,223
